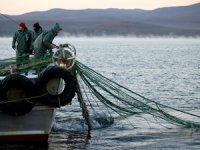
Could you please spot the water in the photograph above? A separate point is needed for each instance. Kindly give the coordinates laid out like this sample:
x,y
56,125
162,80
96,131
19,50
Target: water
x,y
166,70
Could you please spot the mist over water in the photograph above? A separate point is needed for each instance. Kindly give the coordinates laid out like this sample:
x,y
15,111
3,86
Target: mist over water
x,y
166,70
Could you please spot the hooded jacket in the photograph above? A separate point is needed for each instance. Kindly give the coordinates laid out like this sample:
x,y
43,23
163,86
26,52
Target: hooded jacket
x,y
44,41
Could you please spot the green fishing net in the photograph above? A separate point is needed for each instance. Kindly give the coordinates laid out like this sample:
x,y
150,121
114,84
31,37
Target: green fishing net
x,y
123,102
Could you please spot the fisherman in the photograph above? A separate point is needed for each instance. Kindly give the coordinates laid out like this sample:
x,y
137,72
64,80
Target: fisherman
x,y
37,30
43,42
21,43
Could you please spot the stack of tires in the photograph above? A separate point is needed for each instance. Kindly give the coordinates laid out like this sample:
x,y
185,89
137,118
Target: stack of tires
x,y
54,87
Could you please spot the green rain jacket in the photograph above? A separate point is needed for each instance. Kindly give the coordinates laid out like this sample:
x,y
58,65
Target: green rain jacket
x,y
22,42
34,36
44,42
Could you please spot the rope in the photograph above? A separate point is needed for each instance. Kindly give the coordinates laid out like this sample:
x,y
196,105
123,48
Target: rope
x,y
21,99
9,18
85,111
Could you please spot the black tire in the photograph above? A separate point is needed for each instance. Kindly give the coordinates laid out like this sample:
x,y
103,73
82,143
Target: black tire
x,y
60,99
14,106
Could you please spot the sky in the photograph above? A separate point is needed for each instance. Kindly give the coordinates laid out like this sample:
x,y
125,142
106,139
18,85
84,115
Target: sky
x,y
15,7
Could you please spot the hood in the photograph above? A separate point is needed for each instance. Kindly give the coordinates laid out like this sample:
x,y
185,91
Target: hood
x,y
57,28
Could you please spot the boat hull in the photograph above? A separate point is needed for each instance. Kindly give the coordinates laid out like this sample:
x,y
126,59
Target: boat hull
x,y
34,126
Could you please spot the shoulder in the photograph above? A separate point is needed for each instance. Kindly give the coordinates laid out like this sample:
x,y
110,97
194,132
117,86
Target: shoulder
x,y
17,32
27,31
32,32
47,33
40,31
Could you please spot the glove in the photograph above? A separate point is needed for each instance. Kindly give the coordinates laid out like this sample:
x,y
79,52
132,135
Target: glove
x,y
64,45
54,46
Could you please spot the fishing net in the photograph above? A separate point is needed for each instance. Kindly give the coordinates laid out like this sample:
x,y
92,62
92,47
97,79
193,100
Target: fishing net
x,y
122,102
10,64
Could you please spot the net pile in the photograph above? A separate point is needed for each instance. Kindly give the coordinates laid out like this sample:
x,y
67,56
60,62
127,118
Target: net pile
x,y
6,65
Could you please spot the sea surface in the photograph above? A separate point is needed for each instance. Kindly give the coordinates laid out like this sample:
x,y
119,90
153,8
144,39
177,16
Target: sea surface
x,y
166,70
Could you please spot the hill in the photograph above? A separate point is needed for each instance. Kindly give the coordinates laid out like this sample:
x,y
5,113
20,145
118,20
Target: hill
x,y
180,21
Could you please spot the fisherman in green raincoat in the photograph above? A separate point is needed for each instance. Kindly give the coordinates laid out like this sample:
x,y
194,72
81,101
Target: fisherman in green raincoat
x,y
43,42
21,43
37,30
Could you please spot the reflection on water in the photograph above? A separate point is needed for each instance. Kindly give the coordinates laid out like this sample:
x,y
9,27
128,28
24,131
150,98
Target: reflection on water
x,y
68,140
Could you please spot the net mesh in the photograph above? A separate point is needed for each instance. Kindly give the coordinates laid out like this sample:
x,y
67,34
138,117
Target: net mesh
x,y
124,102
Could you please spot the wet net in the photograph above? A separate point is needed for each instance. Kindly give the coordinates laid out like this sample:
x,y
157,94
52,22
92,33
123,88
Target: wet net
x,y
7,66
122,102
